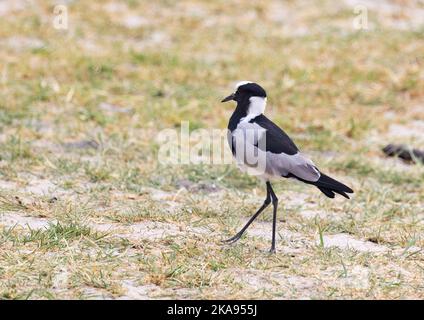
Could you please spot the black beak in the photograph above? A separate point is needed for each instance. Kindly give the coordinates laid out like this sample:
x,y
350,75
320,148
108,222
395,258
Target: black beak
x,y
230,97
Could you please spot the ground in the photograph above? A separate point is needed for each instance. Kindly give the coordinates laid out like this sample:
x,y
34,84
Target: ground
x,y
87,210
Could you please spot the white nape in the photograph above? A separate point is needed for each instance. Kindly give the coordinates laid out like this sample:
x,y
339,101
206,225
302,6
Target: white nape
x,y
256,107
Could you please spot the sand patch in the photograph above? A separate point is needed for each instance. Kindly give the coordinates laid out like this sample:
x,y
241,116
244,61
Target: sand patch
x,y
353,277
149,230
263,230
346,242
312,214
413,131
60,279
277,282
95,294
13,219
8,185
42,187
137,292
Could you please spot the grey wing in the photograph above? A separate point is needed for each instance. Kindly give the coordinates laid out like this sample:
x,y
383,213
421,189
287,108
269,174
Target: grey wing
x,y
298,165
277,164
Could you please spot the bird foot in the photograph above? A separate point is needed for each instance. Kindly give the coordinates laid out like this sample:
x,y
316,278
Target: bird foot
x,y
232,239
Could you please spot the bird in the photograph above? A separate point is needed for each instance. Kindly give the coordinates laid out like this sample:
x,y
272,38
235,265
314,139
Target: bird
x,y
251,135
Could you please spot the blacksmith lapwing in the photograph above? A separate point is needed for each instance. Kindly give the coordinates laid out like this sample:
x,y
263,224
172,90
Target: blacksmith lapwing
x,y
252,135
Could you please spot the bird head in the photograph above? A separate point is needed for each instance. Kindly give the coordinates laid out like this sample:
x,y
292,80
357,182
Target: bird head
x,y
245,90
250,96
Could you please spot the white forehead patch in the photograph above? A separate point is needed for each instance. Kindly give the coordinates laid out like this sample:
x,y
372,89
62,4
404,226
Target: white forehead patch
x,y
241,83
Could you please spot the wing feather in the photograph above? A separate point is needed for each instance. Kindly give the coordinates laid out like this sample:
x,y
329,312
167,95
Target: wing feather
x,y
282,156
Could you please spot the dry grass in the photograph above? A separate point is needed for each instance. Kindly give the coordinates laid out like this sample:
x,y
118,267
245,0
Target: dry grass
x,y
86,210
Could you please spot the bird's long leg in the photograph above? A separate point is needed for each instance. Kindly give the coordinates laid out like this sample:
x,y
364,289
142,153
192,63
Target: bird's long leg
x,y
274,216
262,208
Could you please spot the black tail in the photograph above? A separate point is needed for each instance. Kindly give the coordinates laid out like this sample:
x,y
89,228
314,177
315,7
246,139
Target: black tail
x,y
329,186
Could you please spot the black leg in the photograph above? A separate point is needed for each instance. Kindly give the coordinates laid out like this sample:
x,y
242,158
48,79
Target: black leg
x,y
265,204
274,216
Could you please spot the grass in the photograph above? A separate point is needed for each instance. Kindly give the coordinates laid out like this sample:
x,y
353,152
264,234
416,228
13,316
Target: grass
x,y
112,215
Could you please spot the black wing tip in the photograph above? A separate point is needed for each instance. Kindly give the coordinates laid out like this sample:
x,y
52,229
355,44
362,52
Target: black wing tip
x,y
349,190
333,184
344,194
330,193
327,185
